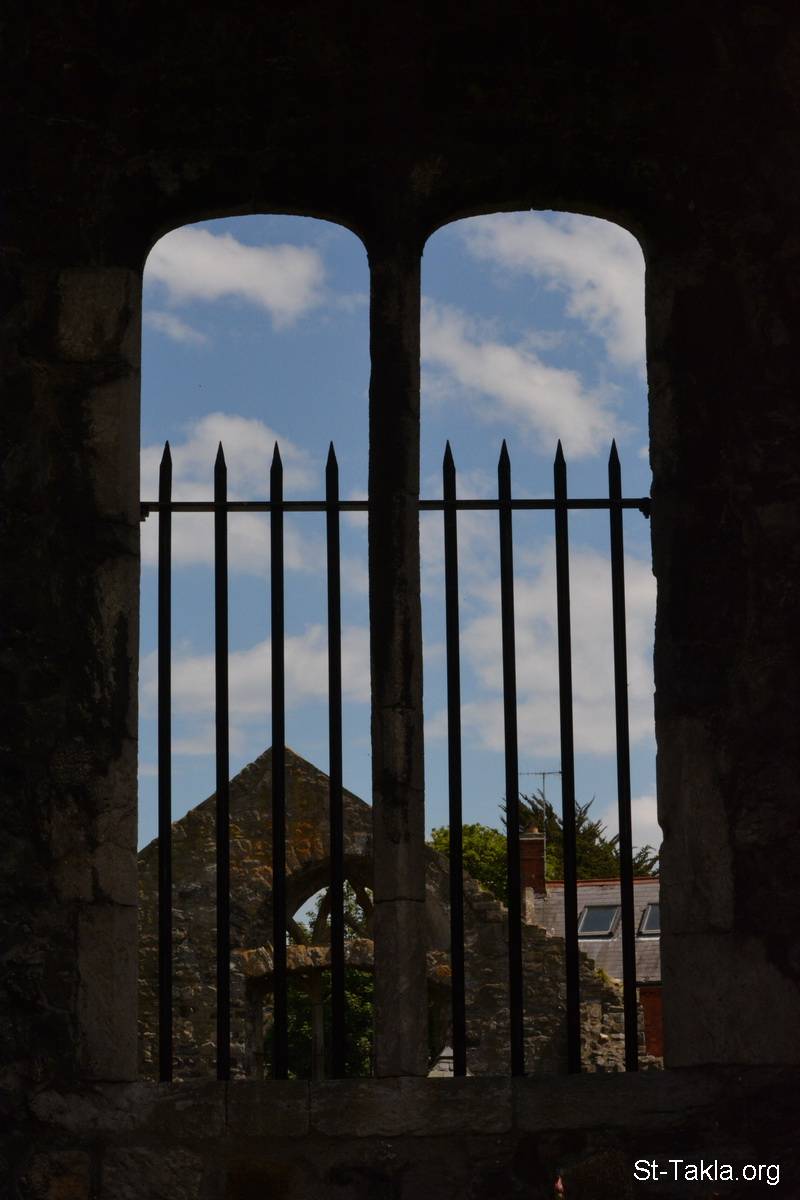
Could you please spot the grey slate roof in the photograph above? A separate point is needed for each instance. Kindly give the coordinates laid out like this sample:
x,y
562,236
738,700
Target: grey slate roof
x,y
548,912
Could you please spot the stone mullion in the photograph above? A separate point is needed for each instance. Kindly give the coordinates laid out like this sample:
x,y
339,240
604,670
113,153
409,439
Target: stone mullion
x,y
396,661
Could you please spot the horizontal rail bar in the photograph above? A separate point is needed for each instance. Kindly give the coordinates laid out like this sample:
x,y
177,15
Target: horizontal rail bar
x,y
149,506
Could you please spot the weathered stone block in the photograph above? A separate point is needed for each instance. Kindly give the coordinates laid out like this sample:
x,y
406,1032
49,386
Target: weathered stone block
x,y
703,1022
108,978
401,1005
61,1175
164,1172
400,1107
268,1108
97,309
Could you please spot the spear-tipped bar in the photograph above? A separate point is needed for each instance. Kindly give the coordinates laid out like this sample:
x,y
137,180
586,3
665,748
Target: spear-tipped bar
x,y
338,1029
165,767
567,762
623,762
280,1044
515,980
222,764
454,765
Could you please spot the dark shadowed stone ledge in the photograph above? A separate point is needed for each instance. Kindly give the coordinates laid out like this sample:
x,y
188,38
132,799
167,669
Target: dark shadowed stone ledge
x,y
394,1108
649,1099
417,1139
411,1107
272,1108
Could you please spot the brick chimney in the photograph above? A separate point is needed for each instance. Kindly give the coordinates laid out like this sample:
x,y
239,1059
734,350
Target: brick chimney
x,y
531,853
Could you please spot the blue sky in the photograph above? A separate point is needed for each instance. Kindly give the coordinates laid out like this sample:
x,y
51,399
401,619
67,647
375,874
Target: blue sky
x,y
256,328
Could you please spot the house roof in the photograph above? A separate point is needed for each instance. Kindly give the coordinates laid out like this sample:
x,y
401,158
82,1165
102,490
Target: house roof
x,y
606,951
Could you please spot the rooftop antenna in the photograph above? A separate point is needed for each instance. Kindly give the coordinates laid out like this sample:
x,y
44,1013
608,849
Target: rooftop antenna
x,y
543,775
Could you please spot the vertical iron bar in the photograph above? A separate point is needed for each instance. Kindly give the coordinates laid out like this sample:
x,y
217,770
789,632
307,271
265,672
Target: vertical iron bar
x,y
454,765
223,765
623,763
338,1032
567,764
165,768
516,1001
280,1053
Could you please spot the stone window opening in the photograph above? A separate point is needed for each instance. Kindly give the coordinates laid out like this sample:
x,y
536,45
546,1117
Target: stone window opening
x,y
249,1054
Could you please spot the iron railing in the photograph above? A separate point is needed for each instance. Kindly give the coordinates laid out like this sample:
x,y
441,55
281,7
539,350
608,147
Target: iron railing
x,y
450,505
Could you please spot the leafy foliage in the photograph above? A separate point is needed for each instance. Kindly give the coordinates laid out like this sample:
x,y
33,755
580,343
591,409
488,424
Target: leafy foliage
x,y
597,854
358,1025
359,991
484,854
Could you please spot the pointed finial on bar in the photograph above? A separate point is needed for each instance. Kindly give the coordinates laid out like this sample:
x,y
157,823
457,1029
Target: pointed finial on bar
x,y
276,476
448,474
614,472
504,473
220,476
560,472
165,471
331,477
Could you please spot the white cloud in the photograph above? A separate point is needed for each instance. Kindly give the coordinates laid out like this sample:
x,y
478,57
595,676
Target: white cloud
x,y
195,264
203,742
598,264
248,445
306,659
544,403
644,822
174,328
646,829
537,655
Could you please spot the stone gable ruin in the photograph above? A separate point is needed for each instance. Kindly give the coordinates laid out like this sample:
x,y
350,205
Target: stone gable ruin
x,y
307,872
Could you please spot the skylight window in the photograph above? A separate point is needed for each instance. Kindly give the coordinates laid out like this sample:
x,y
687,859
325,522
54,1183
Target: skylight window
x,y
651,921
598,920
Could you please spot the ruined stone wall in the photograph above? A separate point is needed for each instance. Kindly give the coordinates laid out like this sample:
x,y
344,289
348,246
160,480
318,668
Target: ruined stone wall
x,y
194,891
485,923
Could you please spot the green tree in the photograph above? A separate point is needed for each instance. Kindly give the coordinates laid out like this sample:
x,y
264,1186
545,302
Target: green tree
x,y
597,854
484,854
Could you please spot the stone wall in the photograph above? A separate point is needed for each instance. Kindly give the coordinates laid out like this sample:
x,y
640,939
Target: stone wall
x,y
486,937
679,121
409,1139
